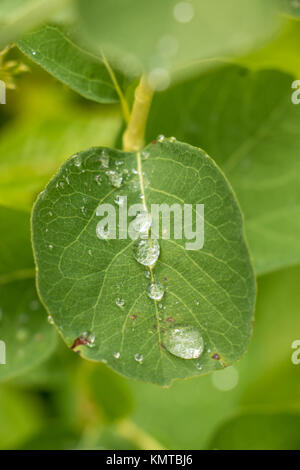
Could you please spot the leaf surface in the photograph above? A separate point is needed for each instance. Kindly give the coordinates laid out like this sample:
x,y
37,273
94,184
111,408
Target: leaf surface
x,y
96,287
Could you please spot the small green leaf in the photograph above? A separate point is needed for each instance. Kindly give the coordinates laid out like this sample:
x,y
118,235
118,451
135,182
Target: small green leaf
x,y
27,336
259,431
252,130
97,292
56,49
174,36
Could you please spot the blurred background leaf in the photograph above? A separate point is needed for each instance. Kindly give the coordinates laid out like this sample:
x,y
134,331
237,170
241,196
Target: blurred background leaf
x,y
259,431
172,37
48,125
28,337
247,122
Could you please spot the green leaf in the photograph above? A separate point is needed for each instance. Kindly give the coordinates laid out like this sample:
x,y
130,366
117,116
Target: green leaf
x,y
28,337
57,50
259,431
81,278
247,121
171,36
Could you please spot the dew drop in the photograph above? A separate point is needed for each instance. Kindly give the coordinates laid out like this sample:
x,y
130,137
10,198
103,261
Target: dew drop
x,y
139,358
199,365
172,139
120,302
141,224
50,247
155,291
90,252
33,52
50,320
77,160
146,251
115,178
98,179
104,159
147,274
117,355
185,342
160,138
145,154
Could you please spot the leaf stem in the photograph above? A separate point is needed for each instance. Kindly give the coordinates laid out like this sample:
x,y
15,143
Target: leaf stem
x,y
133,138
124,104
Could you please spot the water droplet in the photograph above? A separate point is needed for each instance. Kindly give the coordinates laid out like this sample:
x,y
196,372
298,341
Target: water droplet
x,y
141,224
155,291
172,139
160,138
115,178
104,159
139,358
146,251
147,274
86,338
119,162
199,365
84,210
50,247
185,342
120,302
98,179
90,252
117,355
50,320
33,52
183,12
50,213
77,160
145,154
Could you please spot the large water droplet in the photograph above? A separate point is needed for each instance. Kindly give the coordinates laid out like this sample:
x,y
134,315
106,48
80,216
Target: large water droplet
x,y
141,224
156,291
146,251
185,342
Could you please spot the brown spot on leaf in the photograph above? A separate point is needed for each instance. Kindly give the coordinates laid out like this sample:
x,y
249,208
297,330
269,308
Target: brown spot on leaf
x,y
133,317
216,356
80,341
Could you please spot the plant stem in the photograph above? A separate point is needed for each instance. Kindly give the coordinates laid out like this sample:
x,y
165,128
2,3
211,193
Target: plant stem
x,y
133,138
124,104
